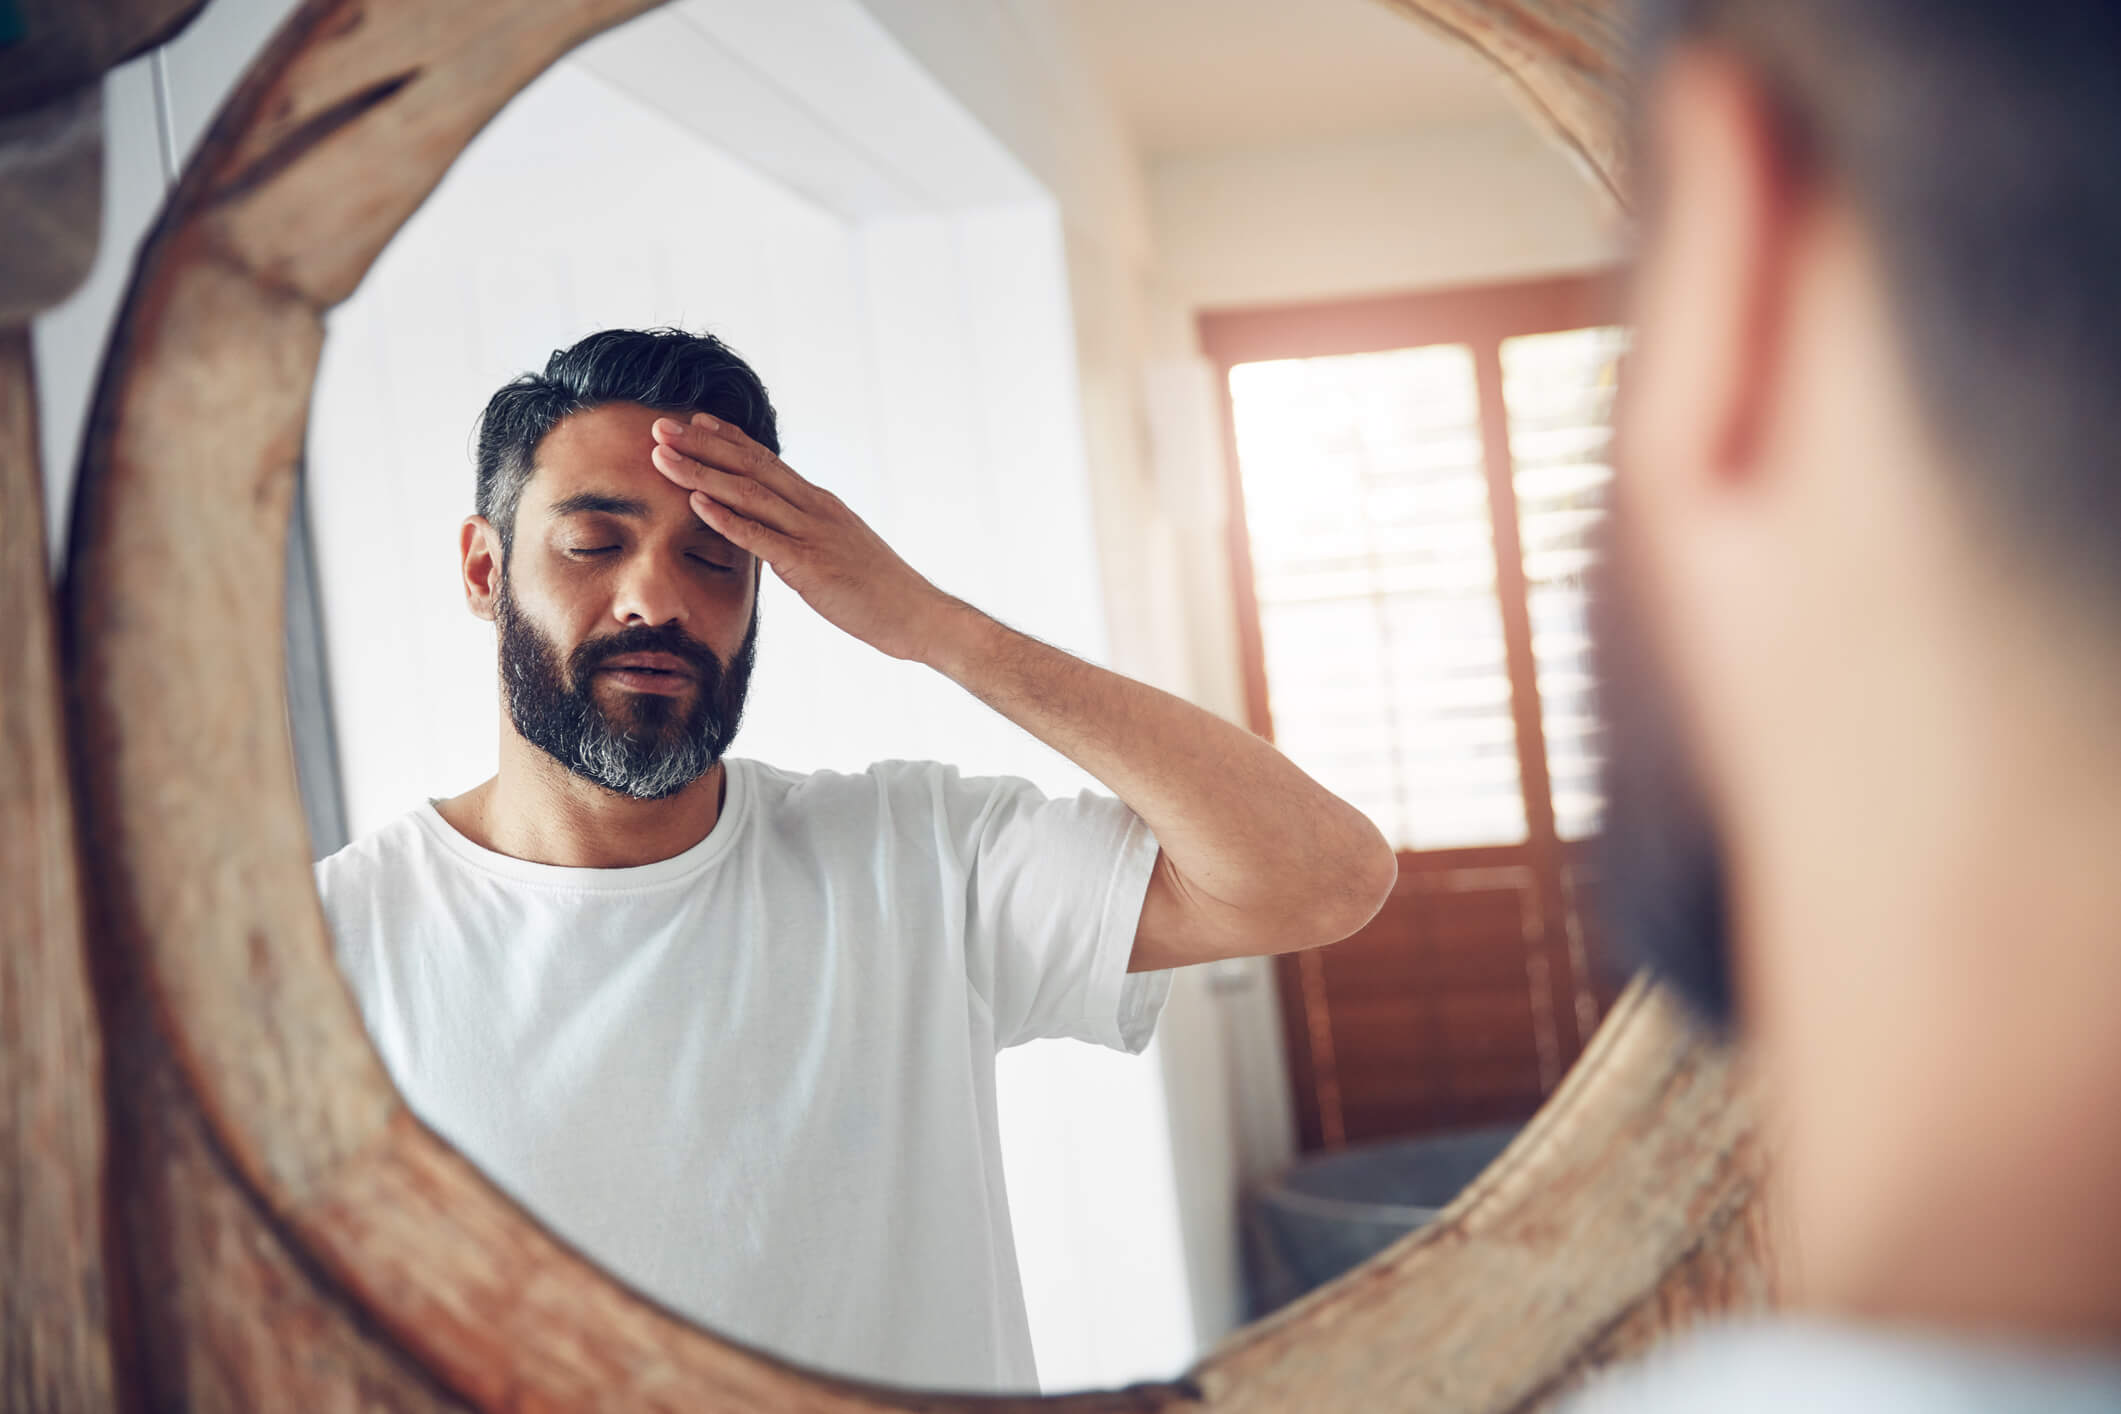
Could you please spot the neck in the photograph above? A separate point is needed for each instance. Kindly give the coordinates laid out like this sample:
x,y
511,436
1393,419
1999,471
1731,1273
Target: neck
x,y
535,809
1931,985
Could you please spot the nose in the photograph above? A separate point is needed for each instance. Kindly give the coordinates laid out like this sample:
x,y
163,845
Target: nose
x,y
649,591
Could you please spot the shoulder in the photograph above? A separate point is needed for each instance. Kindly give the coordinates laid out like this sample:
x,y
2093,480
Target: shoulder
x,y
371,863
893,787
925,805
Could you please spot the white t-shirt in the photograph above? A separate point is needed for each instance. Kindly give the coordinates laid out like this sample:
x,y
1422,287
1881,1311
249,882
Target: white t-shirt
x,y
756,1080
1768,1367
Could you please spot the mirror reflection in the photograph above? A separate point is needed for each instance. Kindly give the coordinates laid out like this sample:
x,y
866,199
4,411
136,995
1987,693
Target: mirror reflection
x,y
845,556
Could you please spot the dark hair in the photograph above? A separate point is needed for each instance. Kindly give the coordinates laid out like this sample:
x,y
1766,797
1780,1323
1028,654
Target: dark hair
x,y
665,369
1980,141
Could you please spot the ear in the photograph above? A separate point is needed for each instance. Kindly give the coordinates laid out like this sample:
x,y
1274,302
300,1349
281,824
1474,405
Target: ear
x,y
479,549
1725,203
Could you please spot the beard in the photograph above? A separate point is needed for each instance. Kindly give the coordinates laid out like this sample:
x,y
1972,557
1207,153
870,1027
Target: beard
x,y
645,746
1661,858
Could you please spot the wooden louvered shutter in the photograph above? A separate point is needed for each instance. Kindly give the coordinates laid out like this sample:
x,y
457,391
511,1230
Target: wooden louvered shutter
x,y
1414,483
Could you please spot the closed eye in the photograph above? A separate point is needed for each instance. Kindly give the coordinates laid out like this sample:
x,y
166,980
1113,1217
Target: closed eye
x,y
586,552
711,564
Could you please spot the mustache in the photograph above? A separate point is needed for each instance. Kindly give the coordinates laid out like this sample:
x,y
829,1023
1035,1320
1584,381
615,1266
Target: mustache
x,y
592,654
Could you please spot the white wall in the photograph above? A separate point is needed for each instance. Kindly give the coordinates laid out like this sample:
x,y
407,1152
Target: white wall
x,y
1402,211
1013,65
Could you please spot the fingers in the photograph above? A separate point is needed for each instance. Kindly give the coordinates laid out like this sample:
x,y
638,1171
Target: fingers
x,y
742,494
741,531
725,446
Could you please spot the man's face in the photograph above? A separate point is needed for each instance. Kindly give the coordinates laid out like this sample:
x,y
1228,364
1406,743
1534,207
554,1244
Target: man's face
x,y
626,625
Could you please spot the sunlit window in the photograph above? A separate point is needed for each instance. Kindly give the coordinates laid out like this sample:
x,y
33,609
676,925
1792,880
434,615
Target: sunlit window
x,y
1558,389
1373,556
1374,566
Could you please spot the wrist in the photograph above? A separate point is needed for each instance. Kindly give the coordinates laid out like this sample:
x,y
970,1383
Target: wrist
x,y
949,636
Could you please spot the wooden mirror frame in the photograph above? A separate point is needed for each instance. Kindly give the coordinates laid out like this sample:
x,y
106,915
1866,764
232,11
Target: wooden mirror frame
x,y
283,1233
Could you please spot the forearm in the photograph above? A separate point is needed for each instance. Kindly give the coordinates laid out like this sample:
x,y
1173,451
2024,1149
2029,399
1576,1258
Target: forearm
x,y
1252,839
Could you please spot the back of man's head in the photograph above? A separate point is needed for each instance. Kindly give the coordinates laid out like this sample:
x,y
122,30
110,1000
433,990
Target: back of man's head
x,y
1978,144
1860,644
1981,142
668,370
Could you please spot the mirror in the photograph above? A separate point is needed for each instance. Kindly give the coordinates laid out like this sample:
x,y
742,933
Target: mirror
x,y
440,1271
967,353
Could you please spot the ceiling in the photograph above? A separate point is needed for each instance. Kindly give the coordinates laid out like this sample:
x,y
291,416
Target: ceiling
x,y
1201,75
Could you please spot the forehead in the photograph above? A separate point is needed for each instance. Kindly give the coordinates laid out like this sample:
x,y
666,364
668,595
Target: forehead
x,y
603,449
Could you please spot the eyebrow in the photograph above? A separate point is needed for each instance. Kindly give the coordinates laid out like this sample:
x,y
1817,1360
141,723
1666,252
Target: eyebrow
x,y
586,501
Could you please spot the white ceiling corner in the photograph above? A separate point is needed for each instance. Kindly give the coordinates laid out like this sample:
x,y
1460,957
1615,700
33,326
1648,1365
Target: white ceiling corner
x,y
1192,76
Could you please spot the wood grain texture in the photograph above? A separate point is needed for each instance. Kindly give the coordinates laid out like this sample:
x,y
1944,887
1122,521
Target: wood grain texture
x,y
292,1192
227,1313
1587,1224
1567,60
55,1350
351,116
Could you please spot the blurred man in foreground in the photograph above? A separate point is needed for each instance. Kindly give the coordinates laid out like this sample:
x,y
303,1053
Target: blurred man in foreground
x,y
1862,653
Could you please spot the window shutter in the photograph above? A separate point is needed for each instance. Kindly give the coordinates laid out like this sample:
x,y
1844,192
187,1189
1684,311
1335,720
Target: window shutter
x,y
1558,390
1373,563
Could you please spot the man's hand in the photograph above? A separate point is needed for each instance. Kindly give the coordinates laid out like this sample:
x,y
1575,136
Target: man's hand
x,y
822,550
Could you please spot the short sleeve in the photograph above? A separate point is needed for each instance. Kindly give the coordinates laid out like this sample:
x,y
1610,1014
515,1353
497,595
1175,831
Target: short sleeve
x,y
1053,897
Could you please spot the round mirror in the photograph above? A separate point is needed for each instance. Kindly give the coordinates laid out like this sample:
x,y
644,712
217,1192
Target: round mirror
x,y
1343,503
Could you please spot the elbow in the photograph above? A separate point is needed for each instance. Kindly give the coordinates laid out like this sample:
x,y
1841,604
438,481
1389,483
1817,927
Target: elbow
x,y
1373,872
1383,876
1351,884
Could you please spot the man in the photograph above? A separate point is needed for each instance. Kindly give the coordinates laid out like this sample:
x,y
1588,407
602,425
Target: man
x,y
731,1030
1868,543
